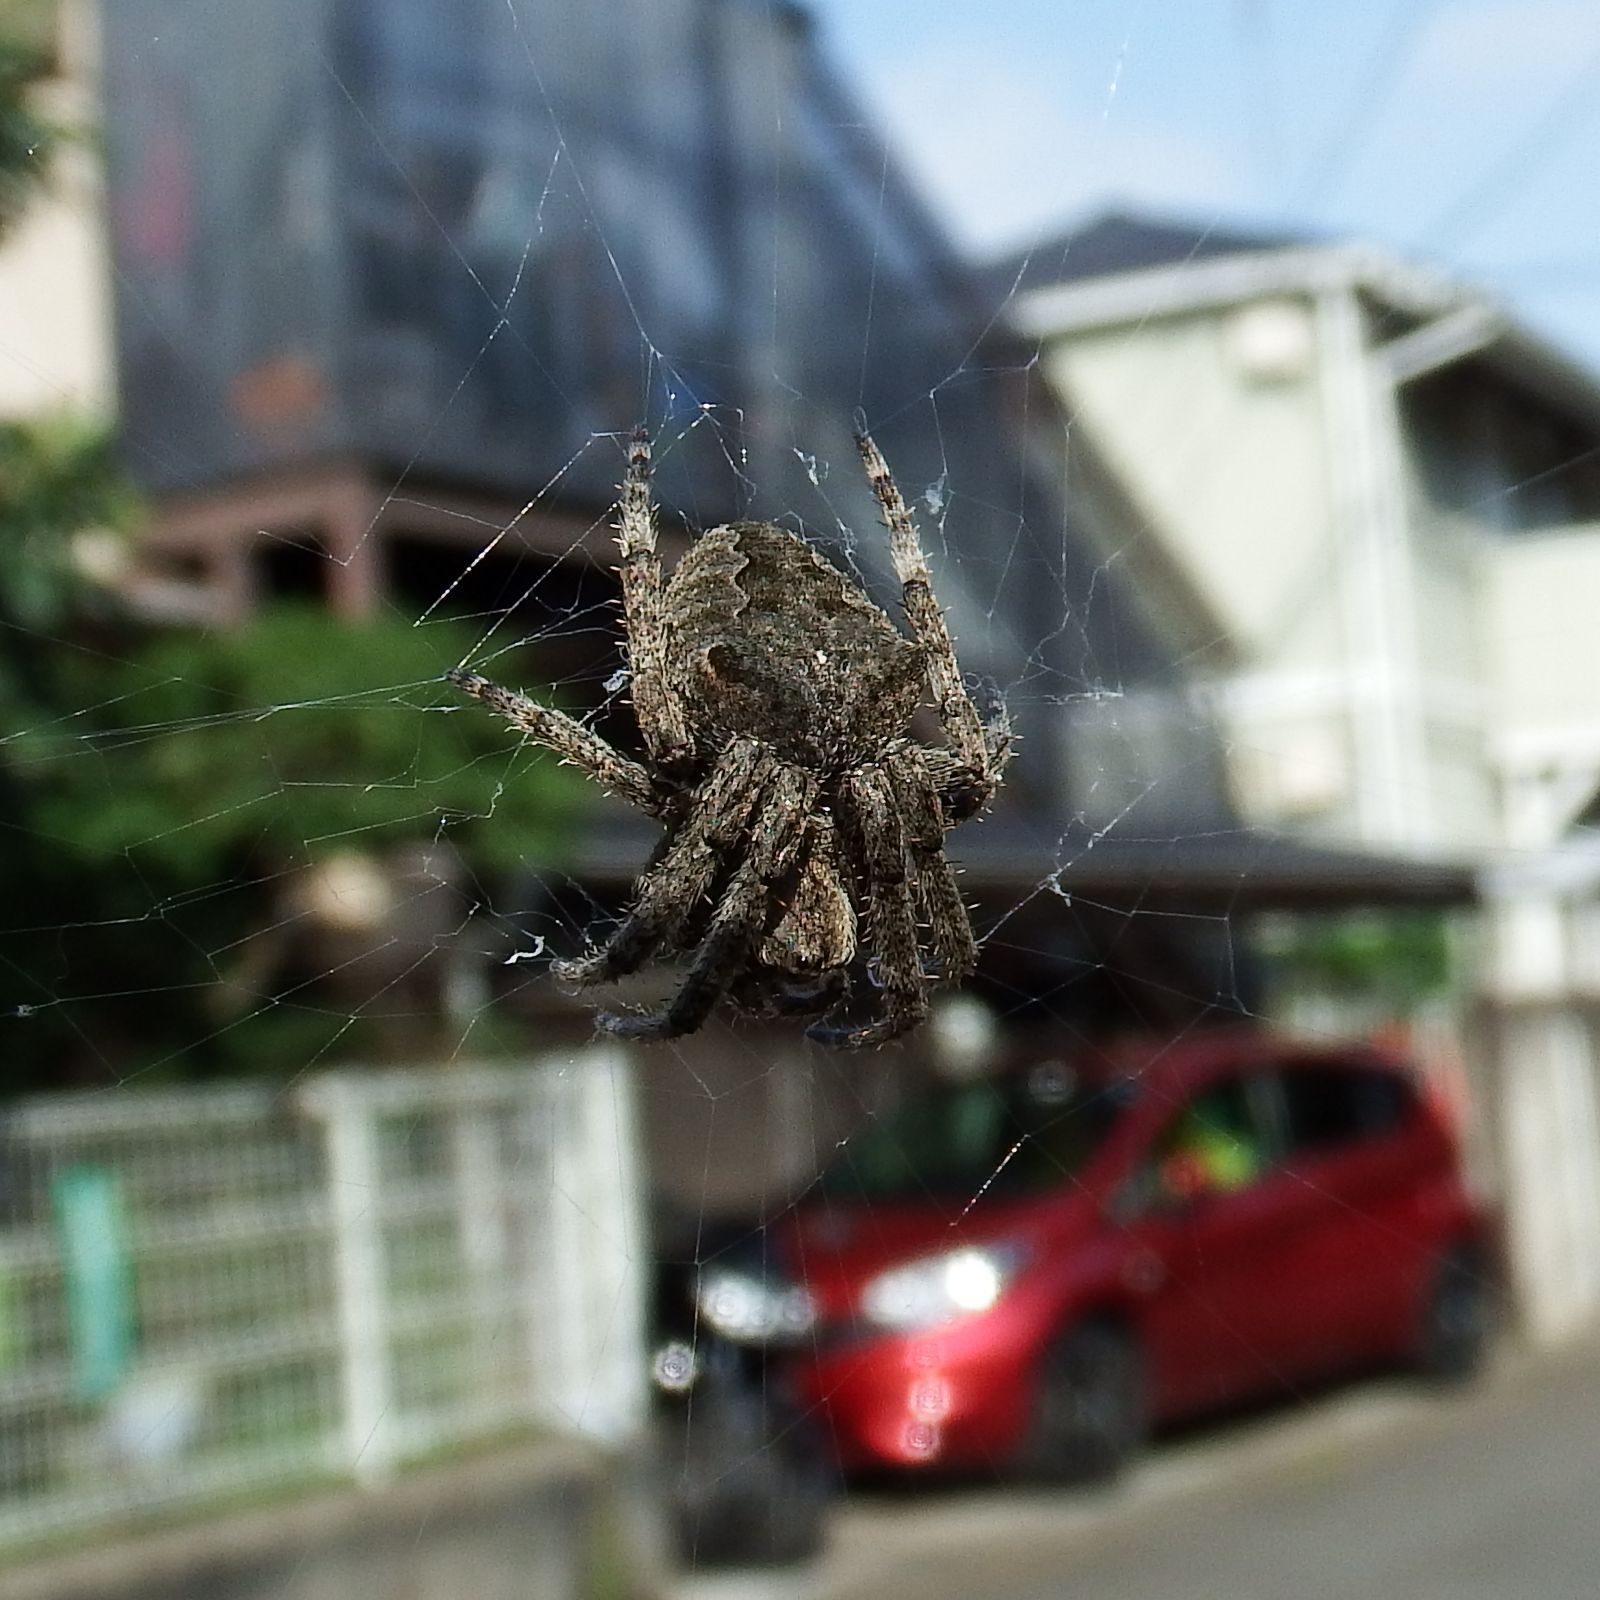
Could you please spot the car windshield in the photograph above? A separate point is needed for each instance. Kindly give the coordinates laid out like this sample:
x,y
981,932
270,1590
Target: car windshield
x,y
1016,1134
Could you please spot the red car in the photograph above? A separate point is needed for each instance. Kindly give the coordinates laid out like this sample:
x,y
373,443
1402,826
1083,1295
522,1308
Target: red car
x,y
1029,1271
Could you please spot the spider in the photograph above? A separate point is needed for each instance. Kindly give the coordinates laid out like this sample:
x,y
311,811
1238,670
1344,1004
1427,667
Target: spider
x,y
774,699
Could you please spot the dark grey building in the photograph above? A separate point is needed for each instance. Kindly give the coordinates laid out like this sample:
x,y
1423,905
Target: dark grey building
x,y
395,276
464,246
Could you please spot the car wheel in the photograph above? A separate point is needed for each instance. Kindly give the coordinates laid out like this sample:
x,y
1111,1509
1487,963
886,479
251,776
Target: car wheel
x,y
1456,1326
740,1496
1089,1406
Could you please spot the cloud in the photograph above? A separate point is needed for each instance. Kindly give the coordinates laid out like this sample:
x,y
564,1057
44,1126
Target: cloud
x,y
1001,153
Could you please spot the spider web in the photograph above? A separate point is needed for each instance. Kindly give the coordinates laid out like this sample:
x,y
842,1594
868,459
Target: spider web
x,y
740,1119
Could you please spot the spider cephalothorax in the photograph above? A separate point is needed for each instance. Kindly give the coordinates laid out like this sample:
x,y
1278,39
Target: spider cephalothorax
x,y
775,699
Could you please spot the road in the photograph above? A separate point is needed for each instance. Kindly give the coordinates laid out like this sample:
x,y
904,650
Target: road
x,y
1377,1491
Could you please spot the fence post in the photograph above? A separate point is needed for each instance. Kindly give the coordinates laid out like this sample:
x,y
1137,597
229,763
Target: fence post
x,y
614,1141
589,1360
353,1182
554,1306
478,1186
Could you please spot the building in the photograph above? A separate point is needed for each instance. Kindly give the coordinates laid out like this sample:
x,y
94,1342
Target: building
x,y
389,289
1382,495
1385,494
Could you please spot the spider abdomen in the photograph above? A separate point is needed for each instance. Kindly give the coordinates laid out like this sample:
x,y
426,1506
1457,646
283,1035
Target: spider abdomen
x,y
770,640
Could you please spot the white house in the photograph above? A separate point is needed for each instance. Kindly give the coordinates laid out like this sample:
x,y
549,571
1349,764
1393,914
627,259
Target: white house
x,y
1385,493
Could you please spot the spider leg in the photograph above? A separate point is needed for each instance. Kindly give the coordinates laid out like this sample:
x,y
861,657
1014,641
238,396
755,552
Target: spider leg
x,y
973,744
963,792
875,819
676,886
739,919
567,737
816,932
950,928
656,705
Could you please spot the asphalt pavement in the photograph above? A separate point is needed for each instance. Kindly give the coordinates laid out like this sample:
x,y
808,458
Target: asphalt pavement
x,y
1378,1490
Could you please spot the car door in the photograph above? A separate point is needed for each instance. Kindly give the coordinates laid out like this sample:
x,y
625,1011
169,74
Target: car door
x,y
1208,1248
1352,1142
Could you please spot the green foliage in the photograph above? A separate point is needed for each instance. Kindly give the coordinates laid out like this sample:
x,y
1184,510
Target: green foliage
x,y
286,740
161,792
168,807
197,754
1398,957
27,138
62,496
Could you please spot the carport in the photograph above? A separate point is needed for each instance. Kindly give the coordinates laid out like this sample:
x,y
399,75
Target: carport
x,y
1084,932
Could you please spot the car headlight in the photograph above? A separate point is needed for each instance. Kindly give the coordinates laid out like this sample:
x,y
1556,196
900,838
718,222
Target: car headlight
x,y
938,1288
752,1310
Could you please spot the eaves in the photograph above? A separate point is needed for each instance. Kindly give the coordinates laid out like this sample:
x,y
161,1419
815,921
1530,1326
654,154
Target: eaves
x,y
1453,322
1223,281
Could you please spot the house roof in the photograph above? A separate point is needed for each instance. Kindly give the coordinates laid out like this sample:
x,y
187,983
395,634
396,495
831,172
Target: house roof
x,y
1127,269
1223,871
1123,241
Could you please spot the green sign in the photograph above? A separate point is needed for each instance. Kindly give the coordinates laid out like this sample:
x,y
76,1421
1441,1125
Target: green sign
x,y
10,1322
99,1277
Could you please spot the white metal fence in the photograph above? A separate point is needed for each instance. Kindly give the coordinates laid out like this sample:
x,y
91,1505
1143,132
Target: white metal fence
x,y
209,1290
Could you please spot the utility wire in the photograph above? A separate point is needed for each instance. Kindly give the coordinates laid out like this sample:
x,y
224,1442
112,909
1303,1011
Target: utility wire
x,y
1352,132
1258,57
1581,271
1503,181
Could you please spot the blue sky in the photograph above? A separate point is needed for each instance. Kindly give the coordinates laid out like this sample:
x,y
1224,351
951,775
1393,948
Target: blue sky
x,y
1463,133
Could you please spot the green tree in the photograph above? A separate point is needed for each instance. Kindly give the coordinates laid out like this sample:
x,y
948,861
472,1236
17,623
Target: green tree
x,y
176,814
289,739
165,797
1396,958
28,138
176,793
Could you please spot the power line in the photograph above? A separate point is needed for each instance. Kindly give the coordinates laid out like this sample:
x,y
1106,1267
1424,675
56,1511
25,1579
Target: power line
x,y
1380,73
1258,53
1503,181
1547,269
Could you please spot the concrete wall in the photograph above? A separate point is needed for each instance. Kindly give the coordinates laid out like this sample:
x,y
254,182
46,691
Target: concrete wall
x,y
1348,535
1230,462
55,348
510,1526
1543,590
1217,419
1548,1146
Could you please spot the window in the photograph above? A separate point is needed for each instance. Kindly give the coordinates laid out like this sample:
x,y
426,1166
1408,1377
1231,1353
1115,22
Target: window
x,y
290,566
1217,1144
1018,1134
1482,448
1327,1107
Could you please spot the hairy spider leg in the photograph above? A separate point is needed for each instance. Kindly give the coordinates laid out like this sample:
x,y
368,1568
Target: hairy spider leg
x,y
677,886
740,917
938,897
962,792
567,737
958,715
880,841
656,705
